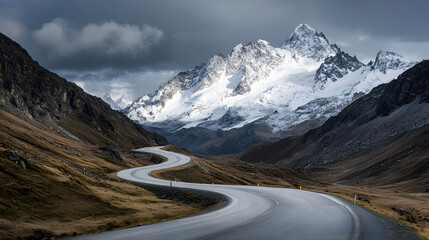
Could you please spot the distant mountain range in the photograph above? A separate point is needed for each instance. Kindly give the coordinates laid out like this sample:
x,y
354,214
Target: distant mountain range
x,y
261,93
381,138
119,104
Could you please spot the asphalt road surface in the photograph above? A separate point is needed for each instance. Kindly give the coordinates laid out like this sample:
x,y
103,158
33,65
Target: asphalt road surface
x,y
257,213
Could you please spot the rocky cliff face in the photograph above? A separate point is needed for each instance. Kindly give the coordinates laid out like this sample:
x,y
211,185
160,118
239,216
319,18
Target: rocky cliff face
x,y
336,67
31,92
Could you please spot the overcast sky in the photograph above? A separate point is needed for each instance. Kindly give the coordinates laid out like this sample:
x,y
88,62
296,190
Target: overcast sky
x,y
132,46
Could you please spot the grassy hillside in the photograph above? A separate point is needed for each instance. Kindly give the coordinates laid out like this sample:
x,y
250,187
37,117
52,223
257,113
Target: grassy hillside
x,y
202,170
400,202
68,187
31,92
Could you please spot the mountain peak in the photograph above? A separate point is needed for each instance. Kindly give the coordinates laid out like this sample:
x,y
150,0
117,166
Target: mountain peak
x,y
307,42
107,98
303,27
336,67
387,54
259,44
262,42
123,102
119,104
389,60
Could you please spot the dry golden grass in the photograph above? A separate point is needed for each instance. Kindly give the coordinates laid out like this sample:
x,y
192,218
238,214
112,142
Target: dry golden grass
x,y
69,187
201,170
384,201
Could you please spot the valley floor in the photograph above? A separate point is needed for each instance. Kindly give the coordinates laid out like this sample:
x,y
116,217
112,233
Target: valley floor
x,y
54,186
69,188
410,209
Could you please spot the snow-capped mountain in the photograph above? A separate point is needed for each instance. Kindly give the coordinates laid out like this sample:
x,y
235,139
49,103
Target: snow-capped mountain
x,y
386,61
307,78
119,104
123,102
336,67
305,42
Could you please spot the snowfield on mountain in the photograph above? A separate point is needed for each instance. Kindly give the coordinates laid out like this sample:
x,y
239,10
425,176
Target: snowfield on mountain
x,y
307,78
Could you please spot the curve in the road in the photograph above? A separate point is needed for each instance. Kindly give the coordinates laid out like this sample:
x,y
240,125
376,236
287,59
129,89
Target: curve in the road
x,y
253,213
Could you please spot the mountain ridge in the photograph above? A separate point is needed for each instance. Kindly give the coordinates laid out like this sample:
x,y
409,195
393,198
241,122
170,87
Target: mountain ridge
x,y
378,134
31,92
119,104
305,41
308,79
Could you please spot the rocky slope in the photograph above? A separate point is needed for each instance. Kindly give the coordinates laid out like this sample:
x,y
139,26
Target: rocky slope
x,y
58,149
286,90
55,187
31,92
381,135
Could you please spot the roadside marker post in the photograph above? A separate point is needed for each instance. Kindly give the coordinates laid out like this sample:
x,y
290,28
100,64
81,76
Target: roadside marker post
x,y
258,184
355,199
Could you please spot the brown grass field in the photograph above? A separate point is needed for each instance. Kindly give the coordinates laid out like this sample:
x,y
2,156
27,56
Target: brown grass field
x,y
385,200
68,187
201,170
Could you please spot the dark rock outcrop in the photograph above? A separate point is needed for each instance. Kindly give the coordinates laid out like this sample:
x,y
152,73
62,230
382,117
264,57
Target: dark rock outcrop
x,y
337,66
12,156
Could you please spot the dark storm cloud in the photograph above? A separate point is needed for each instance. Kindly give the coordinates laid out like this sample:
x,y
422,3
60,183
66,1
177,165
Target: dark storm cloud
x,y
165,35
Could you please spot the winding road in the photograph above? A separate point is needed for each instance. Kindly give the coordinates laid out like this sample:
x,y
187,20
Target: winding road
x,y
254,213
